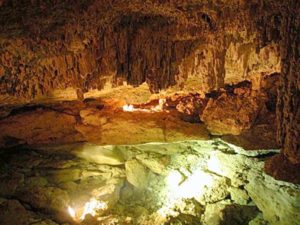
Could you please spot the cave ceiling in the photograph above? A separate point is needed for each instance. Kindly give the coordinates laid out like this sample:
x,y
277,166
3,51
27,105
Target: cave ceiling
x,y
47,46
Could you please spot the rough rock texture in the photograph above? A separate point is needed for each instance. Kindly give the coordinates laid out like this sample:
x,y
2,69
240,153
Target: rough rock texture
x,y
39,126
69,122
47,47
232,110
288,106
191,182
76,49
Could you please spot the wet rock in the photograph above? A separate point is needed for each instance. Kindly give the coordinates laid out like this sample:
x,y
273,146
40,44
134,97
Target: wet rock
x,y
137,174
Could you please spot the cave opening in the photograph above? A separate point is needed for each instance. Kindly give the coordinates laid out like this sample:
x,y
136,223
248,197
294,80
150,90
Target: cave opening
x,y
149,112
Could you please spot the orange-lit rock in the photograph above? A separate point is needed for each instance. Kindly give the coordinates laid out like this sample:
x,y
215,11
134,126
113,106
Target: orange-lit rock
x,y
39,126
232,111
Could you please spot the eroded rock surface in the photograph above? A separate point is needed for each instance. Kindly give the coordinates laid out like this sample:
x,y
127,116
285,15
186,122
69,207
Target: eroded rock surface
x,y
191,182
48,54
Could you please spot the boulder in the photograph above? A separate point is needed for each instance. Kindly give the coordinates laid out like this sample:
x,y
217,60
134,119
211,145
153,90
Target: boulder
x,y
189,106
239,196
155,162
137,174
279,201
232,112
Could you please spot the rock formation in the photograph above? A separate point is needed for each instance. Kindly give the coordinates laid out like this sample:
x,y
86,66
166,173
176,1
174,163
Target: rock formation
x,y
89,45
129,72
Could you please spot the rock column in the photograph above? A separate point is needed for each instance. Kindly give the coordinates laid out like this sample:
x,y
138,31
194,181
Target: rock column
x,y
287,165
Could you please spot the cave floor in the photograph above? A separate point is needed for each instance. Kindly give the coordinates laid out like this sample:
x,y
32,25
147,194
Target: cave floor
x,y
188,182
93,162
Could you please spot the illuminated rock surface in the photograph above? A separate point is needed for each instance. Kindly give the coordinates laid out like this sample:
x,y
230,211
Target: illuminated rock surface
x,y
191,182
119,72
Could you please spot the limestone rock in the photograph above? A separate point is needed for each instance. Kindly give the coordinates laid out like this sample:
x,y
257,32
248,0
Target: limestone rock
x,y
278,200
216,192
44,222
189,106
42,127
119,127
92,116
239,196
110,192
224,213
90,133
231,113
12,213
48,199
137,174
64,175
155,163
107,155
258,220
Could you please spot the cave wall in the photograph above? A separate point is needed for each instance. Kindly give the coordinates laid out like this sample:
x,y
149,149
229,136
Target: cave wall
x,y
67,48
288,107
286,166
84,45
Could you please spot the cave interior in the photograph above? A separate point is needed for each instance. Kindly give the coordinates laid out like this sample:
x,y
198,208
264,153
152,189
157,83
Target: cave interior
x,y
165,112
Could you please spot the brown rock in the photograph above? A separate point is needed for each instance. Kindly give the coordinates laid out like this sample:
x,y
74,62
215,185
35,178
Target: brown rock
x,y
12,213
190,106
281,168
48,199
231,113
39,126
